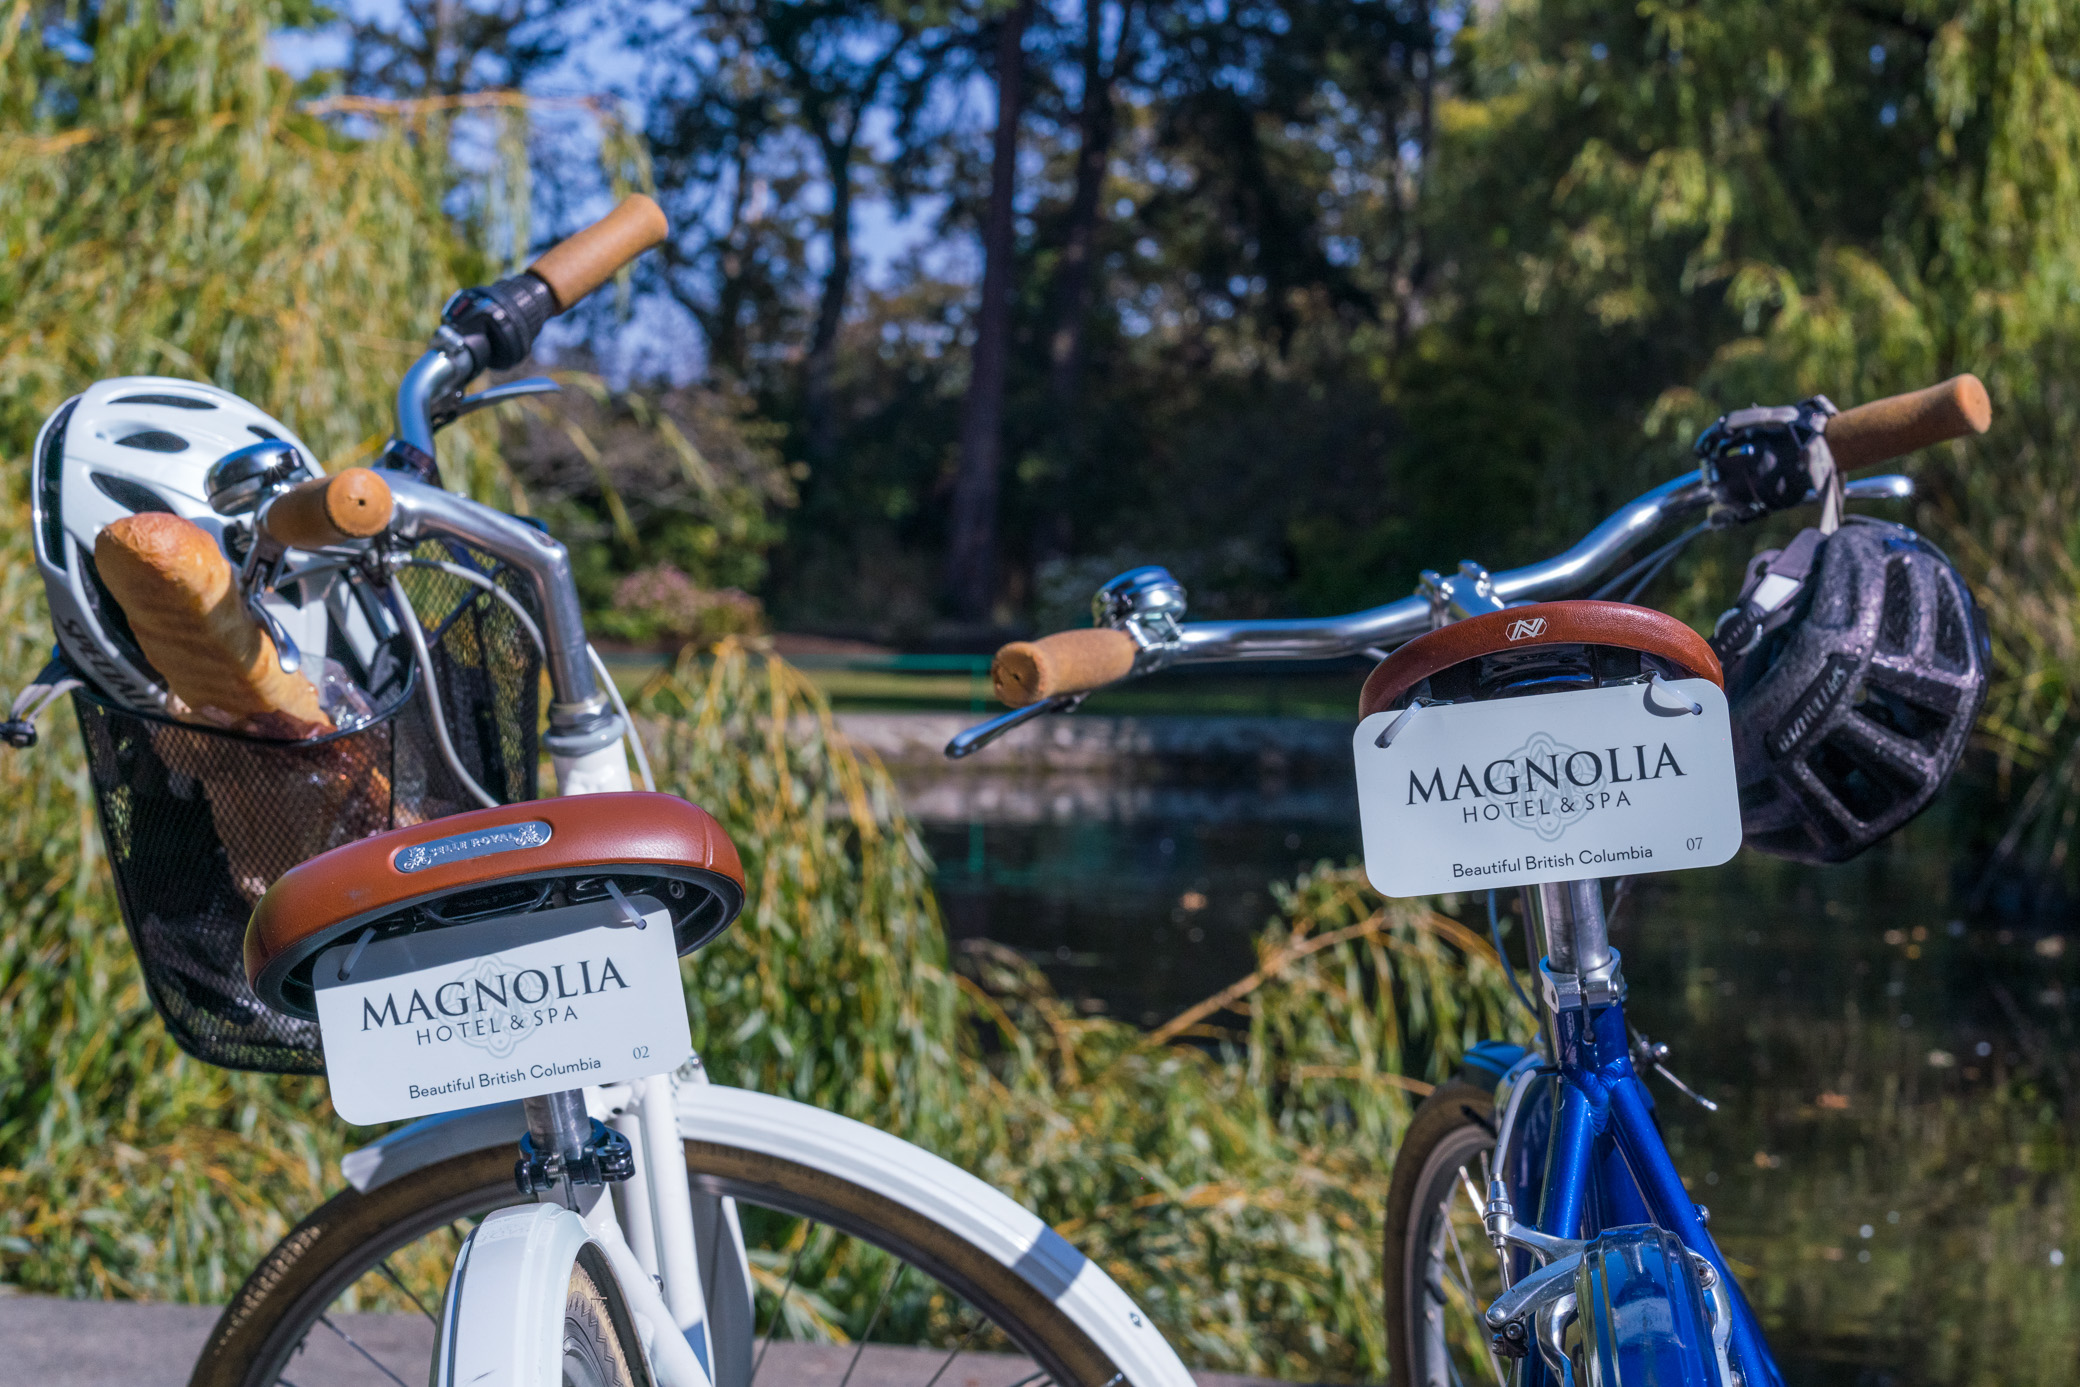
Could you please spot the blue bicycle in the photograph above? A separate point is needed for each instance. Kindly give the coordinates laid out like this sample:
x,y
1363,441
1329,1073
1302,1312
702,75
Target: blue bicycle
x,y
1537,1230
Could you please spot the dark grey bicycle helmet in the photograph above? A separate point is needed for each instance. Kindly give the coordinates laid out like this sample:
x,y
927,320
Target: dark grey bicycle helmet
x,y
1855,663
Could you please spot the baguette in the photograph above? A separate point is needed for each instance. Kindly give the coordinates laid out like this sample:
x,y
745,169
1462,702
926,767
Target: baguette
x,y
175,586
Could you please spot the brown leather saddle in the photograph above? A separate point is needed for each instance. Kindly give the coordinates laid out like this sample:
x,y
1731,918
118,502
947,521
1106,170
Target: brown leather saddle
x,y
493,864
1546,647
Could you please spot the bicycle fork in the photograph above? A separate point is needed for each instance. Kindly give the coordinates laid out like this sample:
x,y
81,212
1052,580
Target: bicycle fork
x,y
676,1282
1606,1167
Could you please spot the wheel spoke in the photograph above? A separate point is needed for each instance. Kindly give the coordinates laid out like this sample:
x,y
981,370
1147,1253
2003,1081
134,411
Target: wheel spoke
x,y
326,1320
780,1306
1480,1210
895,1274
398,1281
958,1349
1451,1233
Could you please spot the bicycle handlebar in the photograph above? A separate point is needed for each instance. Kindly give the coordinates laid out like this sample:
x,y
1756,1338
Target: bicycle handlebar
x,y
1036,671
1884,429
353,505
1068,662
579,264
494,327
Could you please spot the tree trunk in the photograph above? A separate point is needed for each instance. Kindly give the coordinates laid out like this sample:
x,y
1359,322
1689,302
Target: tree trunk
x,y
821,365
1410,256
1095,127
971,566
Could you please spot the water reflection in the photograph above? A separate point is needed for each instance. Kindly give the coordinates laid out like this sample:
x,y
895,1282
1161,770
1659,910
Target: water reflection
x,y
1891,1166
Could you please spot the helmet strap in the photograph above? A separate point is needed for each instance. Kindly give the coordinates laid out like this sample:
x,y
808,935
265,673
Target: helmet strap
x,y
1827,478
56,680
1767,600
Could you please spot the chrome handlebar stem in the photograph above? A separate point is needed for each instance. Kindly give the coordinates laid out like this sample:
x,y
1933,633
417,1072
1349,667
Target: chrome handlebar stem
x,y
581,718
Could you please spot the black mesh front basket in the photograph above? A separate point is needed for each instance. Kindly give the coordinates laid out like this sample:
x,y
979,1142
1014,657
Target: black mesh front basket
x,y
199,822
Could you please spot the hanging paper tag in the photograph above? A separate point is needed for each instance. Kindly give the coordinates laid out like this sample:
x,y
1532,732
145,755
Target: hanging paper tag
x,y
1554,787
505,1008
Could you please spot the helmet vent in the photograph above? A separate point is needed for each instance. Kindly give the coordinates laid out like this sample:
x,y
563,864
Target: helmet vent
x,y
129,495
1865,786
1903,716
170,401
1896,620
50,479
113,619
1950,633
155,441
256,430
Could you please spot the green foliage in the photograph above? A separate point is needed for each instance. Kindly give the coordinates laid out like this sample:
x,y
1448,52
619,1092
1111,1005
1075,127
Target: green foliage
x,y
679,481
1669,212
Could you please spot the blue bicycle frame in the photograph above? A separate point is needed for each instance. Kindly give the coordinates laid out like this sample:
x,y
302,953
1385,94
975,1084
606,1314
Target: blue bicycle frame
x,y
1588,1157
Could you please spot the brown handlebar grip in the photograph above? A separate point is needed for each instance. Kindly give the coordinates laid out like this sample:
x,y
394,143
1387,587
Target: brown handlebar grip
x,y
1889,428
330,510
1066,663
577,265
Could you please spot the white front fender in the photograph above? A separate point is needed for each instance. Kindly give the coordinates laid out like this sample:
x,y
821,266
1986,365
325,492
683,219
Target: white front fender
x,y
503,1319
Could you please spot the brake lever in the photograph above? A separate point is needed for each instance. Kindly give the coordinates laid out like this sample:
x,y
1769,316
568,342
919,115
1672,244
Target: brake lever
x,y
286,652
983,733
455,406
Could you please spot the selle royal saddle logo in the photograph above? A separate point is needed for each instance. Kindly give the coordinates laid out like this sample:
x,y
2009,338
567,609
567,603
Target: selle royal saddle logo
x,y
1526,628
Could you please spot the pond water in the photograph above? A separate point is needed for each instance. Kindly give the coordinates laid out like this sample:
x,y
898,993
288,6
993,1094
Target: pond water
x,y
1892,1165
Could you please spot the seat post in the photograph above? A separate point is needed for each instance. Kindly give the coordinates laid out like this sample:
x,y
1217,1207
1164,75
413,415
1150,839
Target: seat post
x,y
1580,967
1571,915
558,1124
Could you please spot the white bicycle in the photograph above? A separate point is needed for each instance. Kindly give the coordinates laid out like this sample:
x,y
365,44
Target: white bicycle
x,y
575,1203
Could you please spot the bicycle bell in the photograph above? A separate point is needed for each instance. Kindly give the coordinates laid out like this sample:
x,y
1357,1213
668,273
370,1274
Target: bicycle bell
x,y
236,481
1147,598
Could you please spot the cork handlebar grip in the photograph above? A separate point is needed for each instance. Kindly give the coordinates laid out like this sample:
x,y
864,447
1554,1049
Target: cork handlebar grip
x,y
1889,428
1066,663
330,510
574,267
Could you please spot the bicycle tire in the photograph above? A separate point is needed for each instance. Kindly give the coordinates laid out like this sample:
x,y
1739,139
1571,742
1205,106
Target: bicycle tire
x,y
1450,1131
350,1234
593,1354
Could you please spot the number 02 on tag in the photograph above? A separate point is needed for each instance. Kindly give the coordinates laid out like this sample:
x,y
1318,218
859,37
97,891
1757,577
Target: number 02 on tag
x,y
1556,787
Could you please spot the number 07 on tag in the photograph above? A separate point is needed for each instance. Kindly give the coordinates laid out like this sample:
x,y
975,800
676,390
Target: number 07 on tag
x,y
1554,787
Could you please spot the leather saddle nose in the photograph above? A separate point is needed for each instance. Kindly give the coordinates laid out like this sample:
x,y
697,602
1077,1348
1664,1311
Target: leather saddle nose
x,y
483,862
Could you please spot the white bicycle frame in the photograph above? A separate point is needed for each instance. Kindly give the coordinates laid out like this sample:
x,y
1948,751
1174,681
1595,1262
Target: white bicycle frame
x,y
669,1259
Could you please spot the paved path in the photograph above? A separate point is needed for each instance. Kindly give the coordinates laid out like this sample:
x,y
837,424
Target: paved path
x,y
92,1343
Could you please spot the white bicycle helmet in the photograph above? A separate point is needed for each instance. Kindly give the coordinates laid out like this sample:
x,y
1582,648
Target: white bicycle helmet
x,y
135,443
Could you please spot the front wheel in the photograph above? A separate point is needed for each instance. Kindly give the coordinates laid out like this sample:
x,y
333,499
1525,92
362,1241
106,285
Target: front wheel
x,y
832,1260
593,1355
1439,1268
